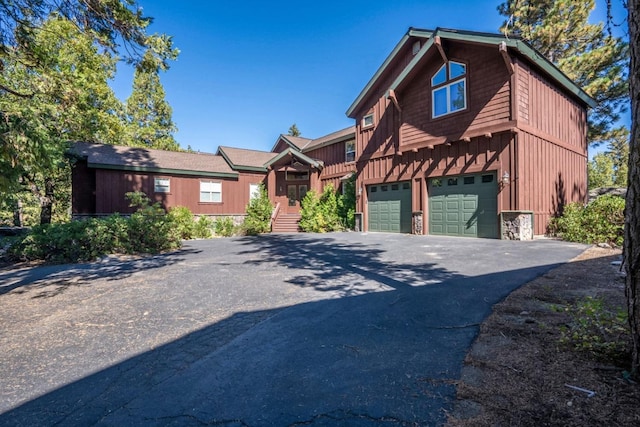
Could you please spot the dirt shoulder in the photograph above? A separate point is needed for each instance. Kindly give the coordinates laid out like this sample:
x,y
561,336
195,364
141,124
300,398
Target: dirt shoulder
x,y
517,373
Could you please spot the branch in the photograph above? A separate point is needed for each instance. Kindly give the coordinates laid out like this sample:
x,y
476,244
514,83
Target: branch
x,y
18,94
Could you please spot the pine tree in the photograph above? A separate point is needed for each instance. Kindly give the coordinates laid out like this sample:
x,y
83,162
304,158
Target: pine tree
x,y
148,113
595,60
293,130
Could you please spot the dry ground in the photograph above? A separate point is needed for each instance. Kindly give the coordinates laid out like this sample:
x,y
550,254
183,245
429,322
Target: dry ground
x,y
517,372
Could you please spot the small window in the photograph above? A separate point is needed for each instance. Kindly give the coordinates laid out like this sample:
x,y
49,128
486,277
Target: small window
x,y
210,192
162,185
384,188
350,151
296,176
469,180
449,89
254,191
367,121
436,182
394,187
374,189
452,181
406,186
487,178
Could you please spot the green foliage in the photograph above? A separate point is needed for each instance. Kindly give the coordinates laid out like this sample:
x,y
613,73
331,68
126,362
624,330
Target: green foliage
x,y
597,330
601,221
319,214
182,219
594,59
224,227
347,204
202,228
293,130
610,168
259,212
148,115
600,171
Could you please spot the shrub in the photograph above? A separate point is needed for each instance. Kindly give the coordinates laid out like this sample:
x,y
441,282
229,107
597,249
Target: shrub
x,y
597,330
347,204
224,227
150,231
202,228
319,214
259,212
601,221
182,220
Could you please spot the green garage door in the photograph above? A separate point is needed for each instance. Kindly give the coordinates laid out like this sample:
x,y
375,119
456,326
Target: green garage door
x,y
389,207
465,205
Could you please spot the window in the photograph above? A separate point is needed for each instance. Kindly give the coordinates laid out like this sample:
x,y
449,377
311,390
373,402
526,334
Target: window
x,y
449,89
469,180
350,151
254,191
367,120
487,178
162,185
296,176
384,187
394,187
210,192
452,181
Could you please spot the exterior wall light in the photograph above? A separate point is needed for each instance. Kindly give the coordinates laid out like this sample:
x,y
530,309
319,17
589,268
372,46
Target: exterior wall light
x,y
505,178
359,191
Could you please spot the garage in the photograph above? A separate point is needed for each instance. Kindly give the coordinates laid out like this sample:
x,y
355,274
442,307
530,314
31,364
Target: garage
x,y
389,207
464,205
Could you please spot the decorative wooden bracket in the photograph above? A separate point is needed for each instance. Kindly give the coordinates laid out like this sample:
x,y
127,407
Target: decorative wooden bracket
x,y
438,42
505,56
392,96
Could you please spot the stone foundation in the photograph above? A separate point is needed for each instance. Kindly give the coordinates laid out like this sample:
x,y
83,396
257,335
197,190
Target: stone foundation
x,y
417,223
517,225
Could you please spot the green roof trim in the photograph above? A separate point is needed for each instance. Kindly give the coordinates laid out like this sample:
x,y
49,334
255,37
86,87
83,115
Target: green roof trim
x,y
295,153
516,44
411,33
162,170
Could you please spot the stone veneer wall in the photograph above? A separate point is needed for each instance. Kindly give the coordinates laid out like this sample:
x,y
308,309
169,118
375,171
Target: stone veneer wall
x,y
517,225
416,223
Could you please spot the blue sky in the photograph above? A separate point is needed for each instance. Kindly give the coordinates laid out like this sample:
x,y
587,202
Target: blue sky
x,y
249,69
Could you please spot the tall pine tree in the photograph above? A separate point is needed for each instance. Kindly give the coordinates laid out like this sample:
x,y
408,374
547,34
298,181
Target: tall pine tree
x,y
148,113
585,52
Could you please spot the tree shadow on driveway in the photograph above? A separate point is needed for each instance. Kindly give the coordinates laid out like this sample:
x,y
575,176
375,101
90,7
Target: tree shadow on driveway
x,y
52,280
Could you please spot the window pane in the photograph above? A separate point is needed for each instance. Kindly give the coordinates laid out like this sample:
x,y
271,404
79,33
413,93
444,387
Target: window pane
x,y
440,77
440,102
456,70
469,180
216,197
457,96
367,120
205,196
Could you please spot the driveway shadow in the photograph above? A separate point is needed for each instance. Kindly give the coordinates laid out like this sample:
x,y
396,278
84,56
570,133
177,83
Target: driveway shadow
x,y
52,280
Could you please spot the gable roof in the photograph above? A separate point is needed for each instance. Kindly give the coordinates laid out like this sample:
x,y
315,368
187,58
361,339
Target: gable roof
x,y
243,159
105,156
333,138
514,43
295,153
296,142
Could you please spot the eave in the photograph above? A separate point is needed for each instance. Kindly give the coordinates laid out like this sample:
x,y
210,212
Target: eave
x,y
294,153
240,167
163,170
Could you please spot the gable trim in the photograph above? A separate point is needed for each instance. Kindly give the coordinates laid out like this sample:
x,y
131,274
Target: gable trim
x,y
294,153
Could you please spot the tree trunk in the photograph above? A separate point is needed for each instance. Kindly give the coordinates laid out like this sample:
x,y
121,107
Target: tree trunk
x,y
632,214
46,202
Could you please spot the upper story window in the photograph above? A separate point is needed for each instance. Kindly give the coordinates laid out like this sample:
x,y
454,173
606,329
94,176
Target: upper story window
x,y
449,89
210,192
350,151
162,185
367,120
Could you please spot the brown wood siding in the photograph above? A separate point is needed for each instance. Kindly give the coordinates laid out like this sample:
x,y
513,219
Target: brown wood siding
x,y
83,182
549,177
488,97
551,113
335,167
111,187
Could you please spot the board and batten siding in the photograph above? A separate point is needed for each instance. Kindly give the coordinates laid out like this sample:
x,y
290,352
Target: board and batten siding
x,y
111,187
333,159
549,177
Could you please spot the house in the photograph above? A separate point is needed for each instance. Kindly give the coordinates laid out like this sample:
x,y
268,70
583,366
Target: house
x,y
467,134
220,184
457,133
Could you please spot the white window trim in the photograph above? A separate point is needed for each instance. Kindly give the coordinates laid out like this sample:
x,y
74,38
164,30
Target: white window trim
x,y
347,152
364,119
211,191
447,86
159,187
253,191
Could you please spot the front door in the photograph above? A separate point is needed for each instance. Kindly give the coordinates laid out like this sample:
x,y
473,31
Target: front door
x,y
295,194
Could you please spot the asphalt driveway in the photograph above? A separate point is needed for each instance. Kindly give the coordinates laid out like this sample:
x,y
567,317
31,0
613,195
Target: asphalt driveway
x,y
339,329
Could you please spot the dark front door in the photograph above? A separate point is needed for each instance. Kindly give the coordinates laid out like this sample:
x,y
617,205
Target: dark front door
x,y
295,194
